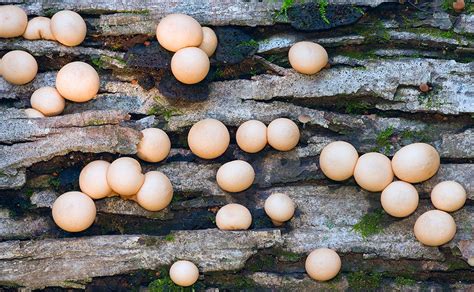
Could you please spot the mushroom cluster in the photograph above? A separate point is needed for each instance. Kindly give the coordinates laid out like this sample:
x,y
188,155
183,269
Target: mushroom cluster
x,y
413,163
66,27
191,43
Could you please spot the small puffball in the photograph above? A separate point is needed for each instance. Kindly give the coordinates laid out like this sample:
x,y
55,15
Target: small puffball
x,y
39,28
19,67
235,176
373,172
184,273
435,228
125,176
323,264
251,136
68,28
48,101
78,81
156,192
33,114
190,65
233,217
93,180
154,146
283,134
177,31
399,199
208,138
338,160
448,196
307,57
279,207
209,41
13,21
74,211
416,162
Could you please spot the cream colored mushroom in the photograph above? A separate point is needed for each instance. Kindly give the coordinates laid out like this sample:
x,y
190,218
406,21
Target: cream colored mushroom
x,y
39,28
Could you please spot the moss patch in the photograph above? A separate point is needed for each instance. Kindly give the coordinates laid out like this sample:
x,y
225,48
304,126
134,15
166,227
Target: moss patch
x,y
383,140
403,281
364,281
165,284
370,223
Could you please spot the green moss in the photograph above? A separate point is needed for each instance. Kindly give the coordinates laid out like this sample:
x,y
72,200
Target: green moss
x,y
54,182
212,218
261,262
357,107
383,140
323,4
29,192
244,283
283,12
408,136
97,122
364,281
250,43
165,112
144,11
288,256
169,237
165,284
373,33
457,265
98,62
403,281
51,11
369,224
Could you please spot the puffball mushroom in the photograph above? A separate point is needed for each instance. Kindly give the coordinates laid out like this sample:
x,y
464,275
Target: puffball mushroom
x,y
448,196
13,21
416,162
33,114
93,180
235,176
251,136
279,207
323,264
19,67
177,31
373,172
338,160
184,273
209,41
307,57
39,28
156,192
78,81
208,138
125,176
399,199
283,134
435,228
154,146
233,217
68,28
48,101
74,211
190,65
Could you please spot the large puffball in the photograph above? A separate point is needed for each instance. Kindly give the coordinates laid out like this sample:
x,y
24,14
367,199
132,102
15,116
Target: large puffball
x,y
235,176
177,31
190,65
184,273
156,192
283,134
74,211
373,172
19,67
208,138
448,196
154,146
13,21
416,162
68,28
399,199
33,114
233,217
279,207
323,264
209,41
93,180
435,228
78,81
48,101
338,160
39,28
251,136
125,176
307,57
